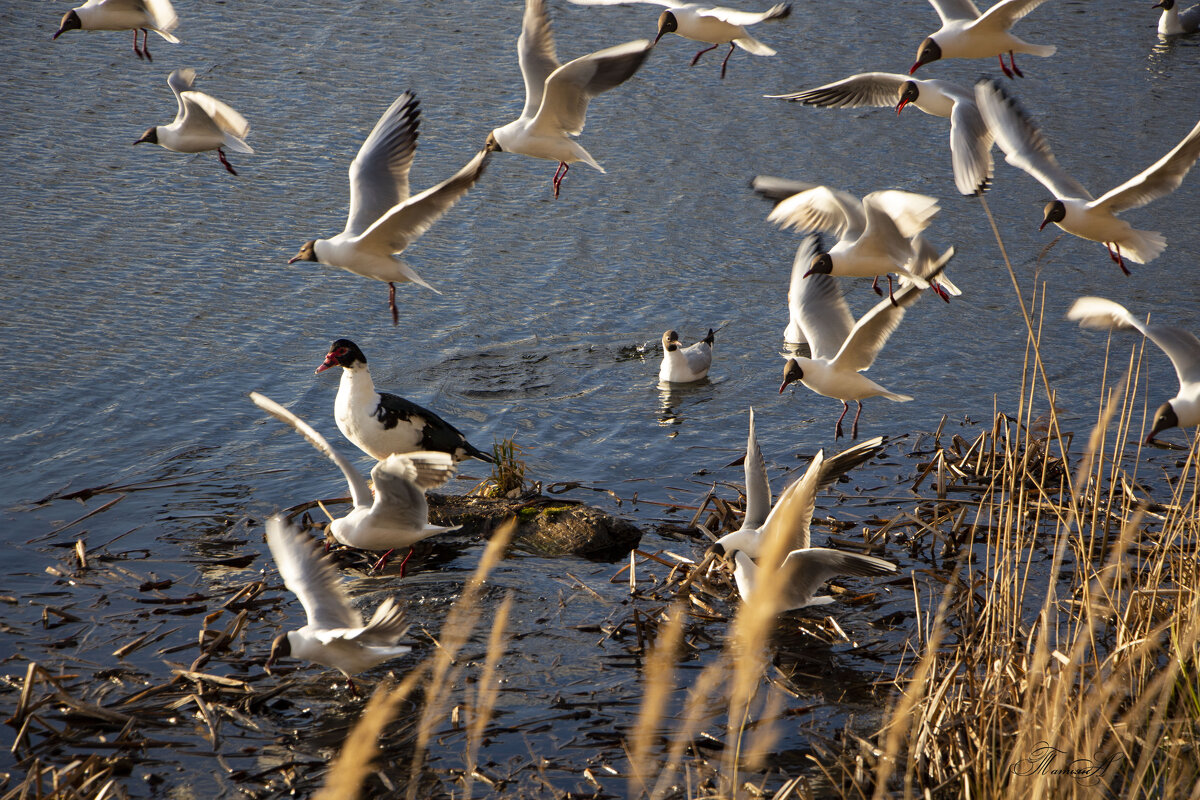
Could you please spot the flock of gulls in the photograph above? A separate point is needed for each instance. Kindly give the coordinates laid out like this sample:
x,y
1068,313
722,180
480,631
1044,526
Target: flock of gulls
x,y
881,235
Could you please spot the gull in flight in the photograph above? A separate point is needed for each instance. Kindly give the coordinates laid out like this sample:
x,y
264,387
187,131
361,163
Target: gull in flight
x,y
1073,208
383,219
785,530
201,123
841,348
123,15
334,634
556,97
715,25
398,514
970,139
1182,347
965,33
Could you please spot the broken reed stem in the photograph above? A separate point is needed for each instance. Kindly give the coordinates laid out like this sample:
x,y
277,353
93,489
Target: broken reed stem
x,y
487,691
659,679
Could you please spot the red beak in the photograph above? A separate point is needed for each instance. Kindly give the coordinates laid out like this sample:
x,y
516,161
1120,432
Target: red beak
x,y
293,259
329,361
914,68
1045,222
903,103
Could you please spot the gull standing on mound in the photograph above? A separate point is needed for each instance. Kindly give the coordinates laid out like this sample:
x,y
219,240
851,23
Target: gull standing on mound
x,y
1182,347
201,123
713,24
842,348
381,424
1073,209
334,635
785,531
965,33
970,140
556,97
685,364
398,515
383,219
124,15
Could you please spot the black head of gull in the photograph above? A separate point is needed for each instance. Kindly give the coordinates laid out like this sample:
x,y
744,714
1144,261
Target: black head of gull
x,y
821,265
1055,211
149,137
70,22
1164,419
308,252
928,52
670,341
792,372
666,24
909,92
280,648
492,145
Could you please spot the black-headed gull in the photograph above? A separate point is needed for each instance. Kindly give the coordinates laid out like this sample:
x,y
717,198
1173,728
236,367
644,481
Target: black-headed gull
x,y
124,15
556,97
334,635
842,348
704,23
381,424
398,514
383,219
1073,209
1182,347
970,140
965,33
874,233
1174,22
785,530
202,123
685,364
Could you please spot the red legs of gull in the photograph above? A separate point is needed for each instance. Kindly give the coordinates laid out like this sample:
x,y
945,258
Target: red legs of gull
x,y
559,174
726,61
392,303
1015,71
939,291
875,286
383,559
353,688
144,50
837,429
854,427
892,297
1116,257
696,57
225,162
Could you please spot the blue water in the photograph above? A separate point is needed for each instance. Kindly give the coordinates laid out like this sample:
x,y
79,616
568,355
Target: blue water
x,y
147,292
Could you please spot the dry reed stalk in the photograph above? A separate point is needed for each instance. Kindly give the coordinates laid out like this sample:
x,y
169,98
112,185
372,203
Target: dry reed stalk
x,y
352,765
460,624
488,690
659,682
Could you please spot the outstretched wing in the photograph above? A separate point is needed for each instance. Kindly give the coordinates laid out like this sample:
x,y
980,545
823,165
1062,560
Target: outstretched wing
x,y
311,576
379,173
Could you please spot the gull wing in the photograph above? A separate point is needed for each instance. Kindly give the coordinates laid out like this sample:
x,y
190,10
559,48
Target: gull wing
x,y
385,627
536,54
310,576
404,223
570,87
379,173
734,17
779,188
180,81
1161,178
360,493
825,318
791,517
874,89
229,122
1182,347
758,485
953,10
1022,142
821,209
1004,14
970,147
805,570
872,331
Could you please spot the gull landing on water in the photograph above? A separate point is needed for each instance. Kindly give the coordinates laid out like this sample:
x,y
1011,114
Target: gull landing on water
x,y
713,24
334,634
965,33
383,219
785,531
124,15
201,123
398,514
1182,347
556,97
1073,209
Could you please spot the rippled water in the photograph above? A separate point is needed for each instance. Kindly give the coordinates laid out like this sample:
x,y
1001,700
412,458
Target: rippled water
x,y
147,292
